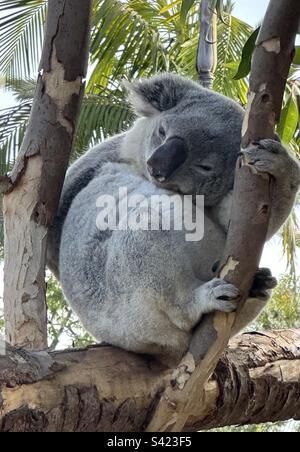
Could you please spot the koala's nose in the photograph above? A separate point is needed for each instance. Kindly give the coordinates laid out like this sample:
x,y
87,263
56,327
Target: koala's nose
x,y
167,159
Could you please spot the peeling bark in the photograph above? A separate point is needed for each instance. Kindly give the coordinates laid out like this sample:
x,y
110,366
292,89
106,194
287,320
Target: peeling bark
x,y
34,185
104,389
252,202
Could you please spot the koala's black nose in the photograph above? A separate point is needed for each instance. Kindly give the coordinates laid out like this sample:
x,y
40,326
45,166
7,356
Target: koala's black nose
x,y
167,159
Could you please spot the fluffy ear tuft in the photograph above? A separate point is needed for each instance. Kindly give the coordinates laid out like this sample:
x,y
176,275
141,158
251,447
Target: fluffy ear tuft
x,y
150,97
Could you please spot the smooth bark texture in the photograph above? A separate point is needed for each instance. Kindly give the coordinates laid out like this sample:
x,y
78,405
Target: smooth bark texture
x,y
207,47
249,218
107,389
36,180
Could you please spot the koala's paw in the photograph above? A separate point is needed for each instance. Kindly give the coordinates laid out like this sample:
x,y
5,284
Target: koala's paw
x,y
263,284
272,157
221,296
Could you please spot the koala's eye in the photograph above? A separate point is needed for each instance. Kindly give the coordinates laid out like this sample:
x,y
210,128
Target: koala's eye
x,y
162,132
204,167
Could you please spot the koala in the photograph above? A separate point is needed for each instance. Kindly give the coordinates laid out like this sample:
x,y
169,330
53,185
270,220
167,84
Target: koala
x,y
145,290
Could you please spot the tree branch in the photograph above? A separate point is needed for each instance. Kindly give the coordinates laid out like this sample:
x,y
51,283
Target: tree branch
x,y
107,389
36,180
207,46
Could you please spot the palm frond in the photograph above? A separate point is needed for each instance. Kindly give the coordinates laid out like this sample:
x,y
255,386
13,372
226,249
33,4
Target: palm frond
x,y
232,35
101,116
22,89
13,122
22,31
125,39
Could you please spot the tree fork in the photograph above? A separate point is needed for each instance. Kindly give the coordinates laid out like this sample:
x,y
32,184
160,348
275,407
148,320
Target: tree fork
x,y
105,389
34,186
252,204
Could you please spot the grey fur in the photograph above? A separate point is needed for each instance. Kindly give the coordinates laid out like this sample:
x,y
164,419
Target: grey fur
x,y
145,291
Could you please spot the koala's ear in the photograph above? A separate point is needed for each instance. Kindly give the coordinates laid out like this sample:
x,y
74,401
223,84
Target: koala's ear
x,y
150,97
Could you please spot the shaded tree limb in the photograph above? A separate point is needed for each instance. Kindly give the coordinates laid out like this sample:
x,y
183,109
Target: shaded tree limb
x,y
36,180
252,203
107,389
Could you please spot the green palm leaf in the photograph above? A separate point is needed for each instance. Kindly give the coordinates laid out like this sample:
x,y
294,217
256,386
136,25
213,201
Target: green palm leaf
x,y
101,116
22,89
232,35
22,31
13,122
126,40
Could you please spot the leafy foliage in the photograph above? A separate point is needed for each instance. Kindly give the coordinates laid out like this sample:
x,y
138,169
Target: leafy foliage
x,y
245,64
22,30
289,121
283,311
64,329
101,116
13,122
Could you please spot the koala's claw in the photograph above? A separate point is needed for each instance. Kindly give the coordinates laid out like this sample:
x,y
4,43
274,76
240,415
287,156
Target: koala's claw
x,y
268,157
263,283
223,296
273,146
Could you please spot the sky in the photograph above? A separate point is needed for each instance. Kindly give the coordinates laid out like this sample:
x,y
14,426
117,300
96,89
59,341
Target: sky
x,y
251,12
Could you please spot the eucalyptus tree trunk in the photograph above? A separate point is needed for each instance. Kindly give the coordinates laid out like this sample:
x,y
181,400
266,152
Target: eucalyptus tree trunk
x,y
252,204
106,389
34,186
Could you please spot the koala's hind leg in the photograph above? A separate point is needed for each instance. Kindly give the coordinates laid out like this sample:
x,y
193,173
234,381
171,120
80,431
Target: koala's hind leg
x,y
158,301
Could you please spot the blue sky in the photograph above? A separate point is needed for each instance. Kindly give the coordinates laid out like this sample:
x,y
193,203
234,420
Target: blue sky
x,y
251,11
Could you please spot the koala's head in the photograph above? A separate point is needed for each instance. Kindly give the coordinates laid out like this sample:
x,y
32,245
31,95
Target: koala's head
x,y
187,138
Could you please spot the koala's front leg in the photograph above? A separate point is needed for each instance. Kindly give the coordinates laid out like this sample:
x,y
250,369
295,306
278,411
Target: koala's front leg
x,y
273,158
259,295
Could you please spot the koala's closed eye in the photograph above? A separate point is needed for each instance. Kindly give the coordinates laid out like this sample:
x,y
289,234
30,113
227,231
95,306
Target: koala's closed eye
x,y
162,133
203,166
